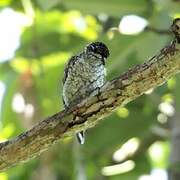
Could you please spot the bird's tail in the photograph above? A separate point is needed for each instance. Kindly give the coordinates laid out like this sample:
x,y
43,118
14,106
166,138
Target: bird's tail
x,y
81,137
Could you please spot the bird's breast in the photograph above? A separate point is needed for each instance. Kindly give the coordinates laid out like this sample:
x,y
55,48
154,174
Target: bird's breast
x,y
82,79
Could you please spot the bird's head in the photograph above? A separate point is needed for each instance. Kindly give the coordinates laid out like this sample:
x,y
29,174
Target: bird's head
x,y
99,49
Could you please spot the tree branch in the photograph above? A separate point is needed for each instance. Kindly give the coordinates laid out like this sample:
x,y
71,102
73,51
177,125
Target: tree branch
x,y
100,104
158,31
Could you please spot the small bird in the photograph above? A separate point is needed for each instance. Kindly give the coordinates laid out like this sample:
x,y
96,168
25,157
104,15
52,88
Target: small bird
x,y
83,74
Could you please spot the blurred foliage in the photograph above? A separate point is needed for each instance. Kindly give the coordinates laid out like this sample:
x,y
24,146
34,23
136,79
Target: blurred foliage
x,y
58,29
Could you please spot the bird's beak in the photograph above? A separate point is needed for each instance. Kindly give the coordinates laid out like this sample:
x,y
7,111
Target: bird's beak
x,y
103,60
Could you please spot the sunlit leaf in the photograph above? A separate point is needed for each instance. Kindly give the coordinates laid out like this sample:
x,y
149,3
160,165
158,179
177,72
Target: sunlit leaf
x,y
5,2
158,153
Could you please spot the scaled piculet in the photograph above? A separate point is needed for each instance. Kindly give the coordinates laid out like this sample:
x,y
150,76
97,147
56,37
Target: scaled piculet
x,y
83,74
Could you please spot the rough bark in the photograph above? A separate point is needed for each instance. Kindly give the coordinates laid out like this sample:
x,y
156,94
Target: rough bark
x,y
100,104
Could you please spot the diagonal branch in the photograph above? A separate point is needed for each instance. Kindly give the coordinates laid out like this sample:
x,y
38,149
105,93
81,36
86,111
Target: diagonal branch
x,y
90,111
158,31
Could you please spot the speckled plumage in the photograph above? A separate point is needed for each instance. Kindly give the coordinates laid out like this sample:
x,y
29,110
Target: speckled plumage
x,y
83,74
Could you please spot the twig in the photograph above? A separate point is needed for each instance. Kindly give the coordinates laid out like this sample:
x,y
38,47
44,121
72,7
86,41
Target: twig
x,y
158,31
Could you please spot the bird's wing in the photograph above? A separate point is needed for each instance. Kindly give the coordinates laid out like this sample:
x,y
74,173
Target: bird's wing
x,y
70,63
